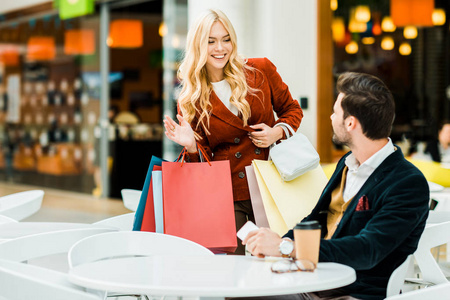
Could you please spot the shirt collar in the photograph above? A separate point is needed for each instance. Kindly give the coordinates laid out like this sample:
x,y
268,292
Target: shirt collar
x,y
374,161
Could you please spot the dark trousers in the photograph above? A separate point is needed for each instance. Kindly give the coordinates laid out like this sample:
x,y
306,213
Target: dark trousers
x,y
243,212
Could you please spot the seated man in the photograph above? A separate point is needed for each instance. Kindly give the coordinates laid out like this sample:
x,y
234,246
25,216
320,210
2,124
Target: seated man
x,y
373,209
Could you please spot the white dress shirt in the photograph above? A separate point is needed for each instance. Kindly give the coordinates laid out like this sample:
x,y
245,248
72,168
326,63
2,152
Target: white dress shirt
x,y
357,174
223,91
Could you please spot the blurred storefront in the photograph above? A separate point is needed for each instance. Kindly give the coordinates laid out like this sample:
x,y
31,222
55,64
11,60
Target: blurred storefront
x,y
59,83
57,109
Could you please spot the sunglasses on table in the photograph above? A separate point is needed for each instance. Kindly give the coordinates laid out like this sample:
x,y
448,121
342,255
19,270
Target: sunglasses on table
x,y
291,265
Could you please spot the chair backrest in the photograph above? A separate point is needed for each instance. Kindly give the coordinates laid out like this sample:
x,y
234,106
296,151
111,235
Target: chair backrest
x,y
131,198
22,281
45,244
131,243
434,235
4,219
122,222
397,279
434,292
19,206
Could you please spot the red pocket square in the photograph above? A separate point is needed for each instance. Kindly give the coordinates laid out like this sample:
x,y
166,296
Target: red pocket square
x,y
363,204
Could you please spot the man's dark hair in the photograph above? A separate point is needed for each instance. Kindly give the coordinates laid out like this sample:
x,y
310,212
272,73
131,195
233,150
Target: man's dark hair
x,y
368,99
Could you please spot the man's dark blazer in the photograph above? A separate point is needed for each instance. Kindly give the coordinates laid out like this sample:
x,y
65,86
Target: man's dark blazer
x,y
375,241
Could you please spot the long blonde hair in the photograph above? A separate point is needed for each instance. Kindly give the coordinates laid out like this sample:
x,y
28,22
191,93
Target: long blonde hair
x,y
196,88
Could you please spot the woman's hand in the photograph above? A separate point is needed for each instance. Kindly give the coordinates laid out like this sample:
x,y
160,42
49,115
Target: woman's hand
x,y
181,134
265,135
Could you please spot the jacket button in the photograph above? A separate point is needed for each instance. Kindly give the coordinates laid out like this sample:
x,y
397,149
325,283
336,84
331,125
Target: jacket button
x,y
241,175
257,151
238,155
237,140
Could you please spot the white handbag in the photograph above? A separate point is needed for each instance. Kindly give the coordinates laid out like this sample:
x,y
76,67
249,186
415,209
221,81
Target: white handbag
x,y
295,155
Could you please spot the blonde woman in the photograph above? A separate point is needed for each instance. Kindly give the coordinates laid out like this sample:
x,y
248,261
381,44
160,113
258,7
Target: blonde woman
x,y
226,104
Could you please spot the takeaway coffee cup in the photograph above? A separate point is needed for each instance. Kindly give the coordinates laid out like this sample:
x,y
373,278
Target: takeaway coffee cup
x,y
307,241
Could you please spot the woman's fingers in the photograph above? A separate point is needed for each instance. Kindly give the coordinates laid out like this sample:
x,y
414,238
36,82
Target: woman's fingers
x,y
170,123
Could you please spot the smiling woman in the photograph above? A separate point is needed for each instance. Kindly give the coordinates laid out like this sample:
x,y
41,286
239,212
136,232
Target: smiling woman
x,y
226,104
219,49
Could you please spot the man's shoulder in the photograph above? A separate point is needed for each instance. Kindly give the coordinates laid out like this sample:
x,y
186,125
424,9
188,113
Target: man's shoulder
x,y
399,172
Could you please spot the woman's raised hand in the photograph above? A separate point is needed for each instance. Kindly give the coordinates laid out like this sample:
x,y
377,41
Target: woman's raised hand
x,y
181,133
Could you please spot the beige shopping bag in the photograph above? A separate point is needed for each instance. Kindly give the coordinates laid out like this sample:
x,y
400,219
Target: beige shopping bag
x,y
287,202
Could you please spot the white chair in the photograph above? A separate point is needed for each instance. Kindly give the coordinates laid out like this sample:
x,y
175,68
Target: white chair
x,y
45,244
130,243
440,291
425,265
434,235
19,206
4,220
131,198
396,283
121,222
435,217
21,281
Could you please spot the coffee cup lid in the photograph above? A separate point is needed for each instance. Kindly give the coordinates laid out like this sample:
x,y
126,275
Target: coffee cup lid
x,y
308,225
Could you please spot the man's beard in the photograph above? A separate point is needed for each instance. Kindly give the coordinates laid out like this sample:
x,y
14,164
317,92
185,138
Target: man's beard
x,y
345,141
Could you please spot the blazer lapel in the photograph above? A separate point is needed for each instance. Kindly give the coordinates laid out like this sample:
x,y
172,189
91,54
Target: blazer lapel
x,y
369,185
223,113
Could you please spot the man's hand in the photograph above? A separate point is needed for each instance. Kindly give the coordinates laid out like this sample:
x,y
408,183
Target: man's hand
x,y
263,242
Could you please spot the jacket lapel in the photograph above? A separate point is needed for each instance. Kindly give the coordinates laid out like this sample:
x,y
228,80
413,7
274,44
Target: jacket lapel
x,y
369,185
222,112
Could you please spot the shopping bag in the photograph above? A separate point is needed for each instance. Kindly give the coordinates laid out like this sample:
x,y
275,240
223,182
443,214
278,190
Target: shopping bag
x,y
287,202
256,199
158,201
198,203
142,201
149,219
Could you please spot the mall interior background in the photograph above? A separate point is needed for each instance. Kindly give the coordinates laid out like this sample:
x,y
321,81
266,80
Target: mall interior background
x,y
53,112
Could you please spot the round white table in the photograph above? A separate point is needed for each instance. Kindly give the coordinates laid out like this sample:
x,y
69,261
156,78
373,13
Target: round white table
x,y
18,229
205,276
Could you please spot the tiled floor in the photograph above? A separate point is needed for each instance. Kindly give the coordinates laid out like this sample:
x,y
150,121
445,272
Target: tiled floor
x,y
64,206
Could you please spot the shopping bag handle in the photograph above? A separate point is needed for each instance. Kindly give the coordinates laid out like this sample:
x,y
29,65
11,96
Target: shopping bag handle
x,y
201,153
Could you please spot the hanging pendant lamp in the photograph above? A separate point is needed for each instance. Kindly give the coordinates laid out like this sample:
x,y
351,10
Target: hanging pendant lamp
x,y
79,42
412,12
9,55
125,34
41,48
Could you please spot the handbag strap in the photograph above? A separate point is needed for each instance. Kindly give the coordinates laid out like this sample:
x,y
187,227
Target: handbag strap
x,y
288,130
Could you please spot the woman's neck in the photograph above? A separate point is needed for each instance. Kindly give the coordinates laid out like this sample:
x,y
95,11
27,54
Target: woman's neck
x,y
215,76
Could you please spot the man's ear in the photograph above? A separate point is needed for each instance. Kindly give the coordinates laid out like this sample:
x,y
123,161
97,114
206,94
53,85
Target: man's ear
x,y
351,123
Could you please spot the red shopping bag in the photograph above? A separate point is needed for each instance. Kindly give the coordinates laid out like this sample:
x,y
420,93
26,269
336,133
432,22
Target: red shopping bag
x,y
198,203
